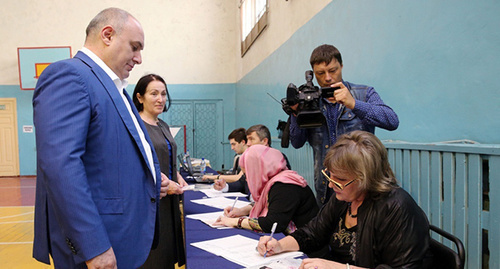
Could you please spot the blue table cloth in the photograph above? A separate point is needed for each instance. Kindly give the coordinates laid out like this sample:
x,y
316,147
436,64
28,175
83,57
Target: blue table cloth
x,y
197,231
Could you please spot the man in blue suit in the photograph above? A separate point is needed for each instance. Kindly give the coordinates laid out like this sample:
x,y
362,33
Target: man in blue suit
x,y
98,178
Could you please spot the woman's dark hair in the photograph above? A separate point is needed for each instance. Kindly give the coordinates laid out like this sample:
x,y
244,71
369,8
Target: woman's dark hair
x,y
140,88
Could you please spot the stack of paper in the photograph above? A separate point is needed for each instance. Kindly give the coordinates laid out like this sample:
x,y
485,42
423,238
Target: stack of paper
x,y
287,263
209,219
215,193
220,202
241,250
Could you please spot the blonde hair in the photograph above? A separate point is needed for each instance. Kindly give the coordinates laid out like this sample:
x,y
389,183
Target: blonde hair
x,y
363,155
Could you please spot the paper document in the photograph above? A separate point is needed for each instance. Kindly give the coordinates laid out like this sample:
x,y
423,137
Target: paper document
x,y
287,263
220,202
241,250
215,193
201,186
188,188
209,219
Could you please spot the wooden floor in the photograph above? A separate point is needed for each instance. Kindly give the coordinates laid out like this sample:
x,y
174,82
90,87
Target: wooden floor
x,y
17,200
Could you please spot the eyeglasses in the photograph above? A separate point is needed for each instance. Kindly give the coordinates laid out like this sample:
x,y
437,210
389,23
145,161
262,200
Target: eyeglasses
x,y
340,186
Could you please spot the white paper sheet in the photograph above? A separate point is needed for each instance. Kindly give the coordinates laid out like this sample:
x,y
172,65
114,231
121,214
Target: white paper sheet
x,y
241,250
215,193
220,202
188,188
287,263
209,219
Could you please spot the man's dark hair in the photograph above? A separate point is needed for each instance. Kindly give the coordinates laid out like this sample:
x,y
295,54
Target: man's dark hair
x,y
325,54
262,132
238,135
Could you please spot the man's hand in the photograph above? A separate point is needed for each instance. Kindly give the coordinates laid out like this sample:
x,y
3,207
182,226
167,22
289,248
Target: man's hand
x,y
219,184
181,180
165,182
174,188
294,110
105,260
342,96
209,177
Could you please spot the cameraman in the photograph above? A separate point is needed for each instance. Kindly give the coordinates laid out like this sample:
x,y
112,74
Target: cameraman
x,y
353,107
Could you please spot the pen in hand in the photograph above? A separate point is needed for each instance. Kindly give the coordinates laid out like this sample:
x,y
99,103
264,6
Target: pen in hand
x,y
273,229
235,200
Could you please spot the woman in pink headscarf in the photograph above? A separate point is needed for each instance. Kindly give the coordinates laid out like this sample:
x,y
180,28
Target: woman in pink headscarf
x,y
280,195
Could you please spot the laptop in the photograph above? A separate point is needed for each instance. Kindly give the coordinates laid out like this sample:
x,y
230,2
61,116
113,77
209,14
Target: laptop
x,y
196,175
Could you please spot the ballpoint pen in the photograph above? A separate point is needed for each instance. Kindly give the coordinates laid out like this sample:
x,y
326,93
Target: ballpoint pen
x,y
273,229
235,200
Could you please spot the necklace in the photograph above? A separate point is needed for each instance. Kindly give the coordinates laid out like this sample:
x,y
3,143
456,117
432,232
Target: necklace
x,y
349,212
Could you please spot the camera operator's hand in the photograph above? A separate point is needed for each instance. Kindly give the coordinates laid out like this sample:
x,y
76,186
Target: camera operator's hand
x,y
294,108
342,96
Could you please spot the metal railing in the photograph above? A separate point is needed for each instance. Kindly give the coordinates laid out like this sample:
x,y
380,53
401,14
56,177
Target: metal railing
x,y
457,185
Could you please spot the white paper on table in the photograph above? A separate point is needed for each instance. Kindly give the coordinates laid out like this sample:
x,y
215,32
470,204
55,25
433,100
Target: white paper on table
x,y
215,193
241,250
220,202
201,186
287,263
209,219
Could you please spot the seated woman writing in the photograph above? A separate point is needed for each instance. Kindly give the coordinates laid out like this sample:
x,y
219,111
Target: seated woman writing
x,y
280,195
370,222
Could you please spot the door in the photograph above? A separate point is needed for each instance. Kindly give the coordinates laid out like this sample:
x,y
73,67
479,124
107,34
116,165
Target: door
x,y
204,125
9,150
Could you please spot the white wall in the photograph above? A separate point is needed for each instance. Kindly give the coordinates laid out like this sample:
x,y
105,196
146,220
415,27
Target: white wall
x,y
284,19
187,41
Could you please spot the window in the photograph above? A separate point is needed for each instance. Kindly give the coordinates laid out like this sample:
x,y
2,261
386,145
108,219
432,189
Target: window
x,y
253,14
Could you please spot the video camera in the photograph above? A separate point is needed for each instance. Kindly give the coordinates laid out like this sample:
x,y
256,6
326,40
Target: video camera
x,y
307,96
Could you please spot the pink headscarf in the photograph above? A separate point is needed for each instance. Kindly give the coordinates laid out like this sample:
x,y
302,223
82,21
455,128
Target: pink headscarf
x,y
263,167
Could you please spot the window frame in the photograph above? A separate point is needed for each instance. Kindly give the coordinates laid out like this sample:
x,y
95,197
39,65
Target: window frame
x,y
257,19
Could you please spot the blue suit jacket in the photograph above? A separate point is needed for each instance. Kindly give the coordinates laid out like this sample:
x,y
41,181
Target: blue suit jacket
x,y
94,188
